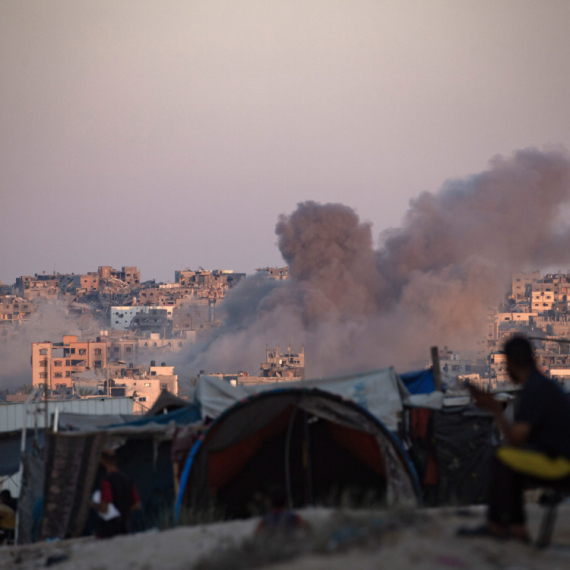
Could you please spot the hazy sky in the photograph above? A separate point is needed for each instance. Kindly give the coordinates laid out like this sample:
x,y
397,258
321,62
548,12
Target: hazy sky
x,y
167,134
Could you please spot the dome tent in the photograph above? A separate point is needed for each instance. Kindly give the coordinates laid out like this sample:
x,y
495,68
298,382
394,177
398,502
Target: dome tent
x,y
317,445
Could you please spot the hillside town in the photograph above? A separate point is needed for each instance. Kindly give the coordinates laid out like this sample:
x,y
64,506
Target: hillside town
x,y
128,325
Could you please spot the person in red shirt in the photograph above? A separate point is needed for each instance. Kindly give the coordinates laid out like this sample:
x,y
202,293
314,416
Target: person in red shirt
x,y
118,498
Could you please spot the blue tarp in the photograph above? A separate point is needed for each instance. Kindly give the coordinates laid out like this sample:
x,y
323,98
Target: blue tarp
x,y
419,382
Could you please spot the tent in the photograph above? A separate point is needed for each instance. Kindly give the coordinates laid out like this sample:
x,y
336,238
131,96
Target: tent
x,y
318,446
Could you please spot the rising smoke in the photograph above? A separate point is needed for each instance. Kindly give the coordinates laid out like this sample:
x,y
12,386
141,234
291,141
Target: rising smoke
x,y
430,282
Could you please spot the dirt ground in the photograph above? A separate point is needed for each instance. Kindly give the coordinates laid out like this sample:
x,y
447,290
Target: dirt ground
x,y
338,540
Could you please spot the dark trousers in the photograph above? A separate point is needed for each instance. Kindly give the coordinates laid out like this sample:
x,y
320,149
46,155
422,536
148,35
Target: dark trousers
x,y
114,527
506,488
506,495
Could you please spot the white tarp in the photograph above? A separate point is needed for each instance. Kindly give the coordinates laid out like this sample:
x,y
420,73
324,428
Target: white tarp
x,y
381,392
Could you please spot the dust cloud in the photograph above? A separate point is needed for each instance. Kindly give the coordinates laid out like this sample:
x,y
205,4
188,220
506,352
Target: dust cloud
x,y
431,280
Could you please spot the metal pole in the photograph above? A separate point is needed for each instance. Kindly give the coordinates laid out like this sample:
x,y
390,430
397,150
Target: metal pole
x,y
436,368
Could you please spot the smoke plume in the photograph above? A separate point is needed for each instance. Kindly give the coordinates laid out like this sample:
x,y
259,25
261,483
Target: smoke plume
x,y
431,281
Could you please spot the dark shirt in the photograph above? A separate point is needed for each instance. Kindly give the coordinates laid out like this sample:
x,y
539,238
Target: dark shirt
x,y
546,407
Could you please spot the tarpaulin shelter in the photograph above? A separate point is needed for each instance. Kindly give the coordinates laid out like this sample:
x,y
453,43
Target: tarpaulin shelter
x,y
381,392
143,449
419,382
451,449
313,443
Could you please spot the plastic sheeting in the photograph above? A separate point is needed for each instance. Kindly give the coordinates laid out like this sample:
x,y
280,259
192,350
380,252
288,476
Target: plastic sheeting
x,y
419,382
380,392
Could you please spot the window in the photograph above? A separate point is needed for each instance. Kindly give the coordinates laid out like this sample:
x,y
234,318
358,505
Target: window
x,y
43,362
81,351
42,374
97,351
58,375
147,384
115,349
128,349
68,362
68,374
57,362
43,351
72,351
97,364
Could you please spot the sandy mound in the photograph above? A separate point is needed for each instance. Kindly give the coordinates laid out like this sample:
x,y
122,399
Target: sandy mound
x,y
338,540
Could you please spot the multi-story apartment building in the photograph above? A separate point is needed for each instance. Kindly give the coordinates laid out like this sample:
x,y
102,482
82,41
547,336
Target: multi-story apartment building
x,y
14,310
55,363
277,273
128,274
38,286
286,364
145,387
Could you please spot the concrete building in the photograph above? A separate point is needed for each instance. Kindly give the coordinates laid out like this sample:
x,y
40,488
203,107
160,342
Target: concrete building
x,y
122,316
542,301
522,283
288,364
55,363
277,273
129,274
14,310
39,286
144,386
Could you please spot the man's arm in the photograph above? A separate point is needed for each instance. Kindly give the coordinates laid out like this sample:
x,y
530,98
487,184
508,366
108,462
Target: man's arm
x,y
515,433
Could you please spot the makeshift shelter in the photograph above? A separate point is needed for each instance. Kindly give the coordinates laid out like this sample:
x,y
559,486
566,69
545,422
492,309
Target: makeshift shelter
x,y
166,402
143,449
381,392
419,382
318,446
451,450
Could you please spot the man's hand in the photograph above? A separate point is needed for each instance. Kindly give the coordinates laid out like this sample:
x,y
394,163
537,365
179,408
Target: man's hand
x,y
484,399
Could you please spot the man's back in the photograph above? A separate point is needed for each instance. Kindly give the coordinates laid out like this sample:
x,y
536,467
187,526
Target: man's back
x,y
546,407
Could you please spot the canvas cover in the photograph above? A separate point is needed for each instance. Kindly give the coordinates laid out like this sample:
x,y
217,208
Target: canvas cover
x,y
381,392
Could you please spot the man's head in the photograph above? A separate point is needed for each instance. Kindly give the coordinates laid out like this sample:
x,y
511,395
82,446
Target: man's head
x,y
520,358
109,460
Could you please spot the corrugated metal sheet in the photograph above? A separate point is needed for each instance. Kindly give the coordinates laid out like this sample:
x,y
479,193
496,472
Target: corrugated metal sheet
x,y
12,415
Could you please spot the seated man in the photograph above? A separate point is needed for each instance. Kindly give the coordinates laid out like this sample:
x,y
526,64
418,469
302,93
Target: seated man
x,y
538,450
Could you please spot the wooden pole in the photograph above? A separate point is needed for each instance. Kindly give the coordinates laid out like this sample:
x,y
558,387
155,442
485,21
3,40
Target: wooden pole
x,y
435,367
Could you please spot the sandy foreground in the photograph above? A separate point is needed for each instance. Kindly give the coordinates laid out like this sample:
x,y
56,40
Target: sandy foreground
x,y
420,540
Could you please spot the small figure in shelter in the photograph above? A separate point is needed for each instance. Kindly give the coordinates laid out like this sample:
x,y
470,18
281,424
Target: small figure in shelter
x,y
115,499
538,443
280,519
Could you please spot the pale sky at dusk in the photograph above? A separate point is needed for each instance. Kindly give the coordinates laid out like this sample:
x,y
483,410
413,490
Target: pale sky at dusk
x,y
167,134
